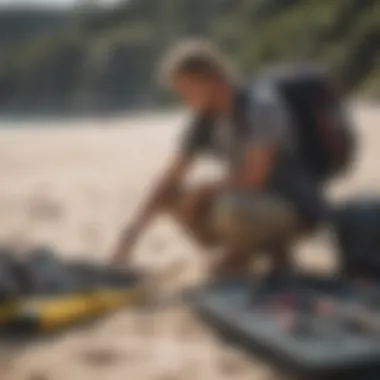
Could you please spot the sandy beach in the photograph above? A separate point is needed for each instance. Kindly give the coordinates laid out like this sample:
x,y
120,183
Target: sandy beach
x,y
72,186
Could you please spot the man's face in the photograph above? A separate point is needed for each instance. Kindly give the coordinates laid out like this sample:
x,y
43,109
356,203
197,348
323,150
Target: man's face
x,y
196,92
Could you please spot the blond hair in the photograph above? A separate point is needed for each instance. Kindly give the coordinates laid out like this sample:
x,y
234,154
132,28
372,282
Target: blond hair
x,y
197,57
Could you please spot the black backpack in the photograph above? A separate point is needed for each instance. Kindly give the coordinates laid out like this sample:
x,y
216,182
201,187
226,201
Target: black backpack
x,y
309,91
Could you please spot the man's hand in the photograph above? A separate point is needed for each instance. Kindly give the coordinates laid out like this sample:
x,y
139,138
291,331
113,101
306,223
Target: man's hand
x,y
125,246
171,177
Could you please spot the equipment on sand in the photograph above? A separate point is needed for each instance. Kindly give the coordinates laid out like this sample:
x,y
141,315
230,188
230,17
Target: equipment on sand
x,y
310,327
51,313
357,225
47,274
46,294
11,285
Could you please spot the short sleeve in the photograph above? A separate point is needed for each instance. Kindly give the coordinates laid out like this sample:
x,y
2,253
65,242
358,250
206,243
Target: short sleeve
x,y
269,117
197,135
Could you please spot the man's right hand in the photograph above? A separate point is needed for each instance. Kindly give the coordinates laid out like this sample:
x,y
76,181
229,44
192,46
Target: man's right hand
x,y
170,179
125,246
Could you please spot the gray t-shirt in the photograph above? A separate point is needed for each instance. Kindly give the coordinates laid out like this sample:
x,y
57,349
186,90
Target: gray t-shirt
x,y
260,118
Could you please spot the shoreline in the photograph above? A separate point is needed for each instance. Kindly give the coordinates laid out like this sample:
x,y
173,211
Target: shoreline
x,y
17,118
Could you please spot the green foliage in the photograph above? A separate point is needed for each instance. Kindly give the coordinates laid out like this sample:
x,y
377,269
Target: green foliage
x,y
345,34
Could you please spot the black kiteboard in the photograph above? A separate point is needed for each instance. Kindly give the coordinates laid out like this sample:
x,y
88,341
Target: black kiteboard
x,y
311,327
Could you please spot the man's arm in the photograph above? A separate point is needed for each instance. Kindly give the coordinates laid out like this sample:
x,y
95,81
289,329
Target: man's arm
x,y
255,167
171,177
195,137
174,173
269,130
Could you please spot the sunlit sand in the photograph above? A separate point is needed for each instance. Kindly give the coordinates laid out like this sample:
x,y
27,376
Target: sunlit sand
x,y
72,185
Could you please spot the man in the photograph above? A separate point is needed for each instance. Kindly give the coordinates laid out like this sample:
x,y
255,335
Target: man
x,y
265,199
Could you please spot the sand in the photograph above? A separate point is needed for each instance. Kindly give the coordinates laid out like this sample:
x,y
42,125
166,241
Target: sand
x,y
72,185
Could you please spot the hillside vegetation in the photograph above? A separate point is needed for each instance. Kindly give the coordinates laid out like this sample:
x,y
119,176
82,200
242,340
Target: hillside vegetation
x,y
105,60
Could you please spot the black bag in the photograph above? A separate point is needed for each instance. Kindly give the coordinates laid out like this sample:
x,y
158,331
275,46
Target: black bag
x,y
310,93
326,145
47,274
12,280
357,226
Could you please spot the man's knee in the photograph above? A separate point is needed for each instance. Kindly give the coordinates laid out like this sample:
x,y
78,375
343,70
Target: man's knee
x,y
196,221
172,199
228,210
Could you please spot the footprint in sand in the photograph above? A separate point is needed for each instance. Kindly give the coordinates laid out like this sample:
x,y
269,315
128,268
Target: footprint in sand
x,y
101,357
41,207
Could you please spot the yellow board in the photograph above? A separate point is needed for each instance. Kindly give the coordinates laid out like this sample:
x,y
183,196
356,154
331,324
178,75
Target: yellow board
x,y
52,313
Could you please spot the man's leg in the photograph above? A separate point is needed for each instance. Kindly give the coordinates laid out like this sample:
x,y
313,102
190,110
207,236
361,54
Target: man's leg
x,y
199,224
249,222
240,222
201,228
